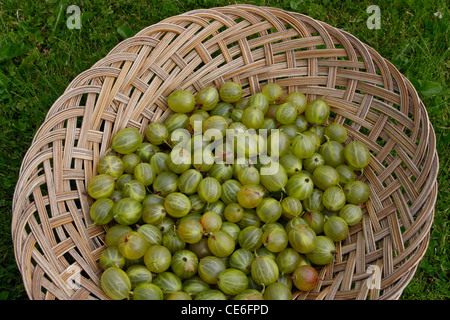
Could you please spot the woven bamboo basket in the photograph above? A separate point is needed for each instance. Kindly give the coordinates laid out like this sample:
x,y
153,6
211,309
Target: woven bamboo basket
x,y
53,235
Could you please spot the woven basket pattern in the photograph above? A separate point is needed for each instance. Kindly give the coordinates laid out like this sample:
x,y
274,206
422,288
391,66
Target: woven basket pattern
x,y
53,235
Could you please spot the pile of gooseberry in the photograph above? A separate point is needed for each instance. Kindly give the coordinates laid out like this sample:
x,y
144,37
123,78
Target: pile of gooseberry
x,y
250,221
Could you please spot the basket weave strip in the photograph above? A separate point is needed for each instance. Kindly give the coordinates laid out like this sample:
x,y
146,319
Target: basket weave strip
x,y
53,235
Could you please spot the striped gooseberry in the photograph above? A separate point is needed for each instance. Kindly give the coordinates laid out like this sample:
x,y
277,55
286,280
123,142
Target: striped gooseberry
x,y
197,205
218,126
210,221
275,239
298,99
334,198
264,270
269,124
357,155
211,294
176,121
207,98
356,192
232,281
153,213
145,173
332,153
278,144
172,241
287,260
269,210
249,175
277,291
286,113
233,212
166,225
177,204
272,91
179,160
138,274
157,258
260,101
209,269
188,181
151,234
242,259
291,164
346,174
303,146
249,294
301,123
315,220
232,229
111,257
101,186
114,233
352,214
241,103
181,101
335,228
324,251
190,230
336,132
314,201
115,283
168,282
294,222
302,238
127,211
165,183
126,141
123,179
291,207
179,295
229,191
273,176
146,151
250,238
158,161
221,171
216,206
250,196
209,189
305,278
222,109
230,92
317,111
200,248
299,186
101,211
319,131
252,117
134,189
221,244
147,291
184,263
111,165
194,286
311,163
157,133
325,177
132,245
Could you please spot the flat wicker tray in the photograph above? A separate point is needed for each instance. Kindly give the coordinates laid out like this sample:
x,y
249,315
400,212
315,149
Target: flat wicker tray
x,y
55,243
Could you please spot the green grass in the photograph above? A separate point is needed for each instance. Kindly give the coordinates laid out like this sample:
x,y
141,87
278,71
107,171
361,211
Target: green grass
x,y
39,56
